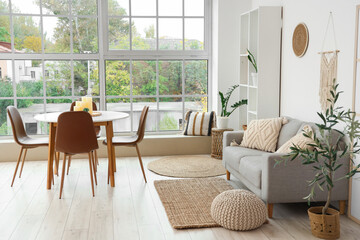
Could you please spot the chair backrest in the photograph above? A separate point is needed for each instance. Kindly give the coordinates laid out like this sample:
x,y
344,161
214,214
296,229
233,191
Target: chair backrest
x,y
75,133
73,105
16,124
142,123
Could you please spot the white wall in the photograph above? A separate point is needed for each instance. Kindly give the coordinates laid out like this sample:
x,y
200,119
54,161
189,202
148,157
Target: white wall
x,y
226,59
301,76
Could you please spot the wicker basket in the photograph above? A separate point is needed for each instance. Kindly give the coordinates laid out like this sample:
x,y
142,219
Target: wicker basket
x,y
324,226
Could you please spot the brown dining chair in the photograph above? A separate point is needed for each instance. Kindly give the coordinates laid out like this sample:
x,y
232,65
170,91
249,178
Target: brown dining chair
x,y
22,138
75,134
98,135
133,141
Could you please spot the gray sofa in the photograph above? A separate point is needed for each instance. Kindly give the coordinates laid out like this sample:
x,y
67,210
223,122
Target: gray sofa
x,y
283,183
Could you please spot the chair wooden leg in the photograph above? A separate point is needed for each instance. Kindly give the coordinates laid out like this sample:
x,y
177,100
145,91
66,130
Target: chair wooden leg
x,y
68,166
227,175
93,161
57,160
23,161
270,207
96,158
62,176
140,161
342,206
94,166
17,165
91,175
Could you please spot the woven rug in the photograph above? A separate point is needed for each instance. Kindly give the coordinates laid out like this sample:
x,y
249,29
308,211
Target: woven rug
x,y
187,202
189,166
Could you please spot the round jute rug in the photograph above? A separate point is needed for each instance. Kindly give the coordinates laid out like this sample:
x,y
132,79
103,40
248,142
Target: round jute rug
x,y
188,166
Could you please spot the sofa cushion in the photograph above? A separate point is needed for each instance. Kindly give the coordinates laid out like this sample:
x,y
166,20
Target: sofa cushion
x,y
233,155
288,131
250,168
263,134
298,140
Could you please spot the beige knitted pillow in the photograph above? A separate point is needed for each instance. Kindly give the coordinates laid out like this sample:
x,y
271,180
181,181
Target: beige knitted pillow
x,y
263,134
299,140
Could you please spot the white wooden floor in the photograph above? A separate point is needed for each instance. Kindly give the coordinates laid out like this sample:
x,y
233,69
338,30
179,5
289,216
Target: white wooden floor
x,y
131,210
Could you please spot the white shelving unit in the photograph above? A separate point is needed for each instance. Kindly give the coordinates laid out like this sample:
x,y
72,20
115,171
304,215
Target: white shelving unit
x,y
261,34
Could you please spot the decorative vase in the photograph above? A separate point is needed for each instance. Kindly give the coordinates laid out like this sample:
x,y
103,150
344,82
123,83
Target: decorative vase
x,y
324,226
244,127
254,79
222,122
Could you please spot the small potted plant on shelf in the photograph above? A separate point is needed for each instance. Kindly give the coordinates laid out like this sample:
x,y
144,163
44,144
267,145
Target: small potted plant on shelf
x,y
223,119
254,75
324,155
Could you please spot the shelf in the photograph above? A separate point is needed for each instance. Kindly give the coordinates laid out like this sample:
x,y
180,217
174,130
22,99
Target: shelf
x,y
252,112
252,86
243,85
244,55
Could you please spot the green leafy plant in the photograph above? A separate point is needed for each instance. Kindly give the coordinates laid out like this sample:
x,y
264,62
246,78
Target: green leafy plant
x,y
225,100
325,154
252,60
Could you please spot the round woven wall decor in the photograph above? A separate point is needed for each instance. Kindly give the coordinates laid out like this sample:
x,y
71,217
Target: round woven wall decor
x,y
300,39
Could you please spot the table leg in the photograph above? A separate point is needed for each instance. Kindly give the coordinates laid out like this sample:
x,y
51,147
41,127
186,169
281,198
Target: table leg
x,y
109,136
52,131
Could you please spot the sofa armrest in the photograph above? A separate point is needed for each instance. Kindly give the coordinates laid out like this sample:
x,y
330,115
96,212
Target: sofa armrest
x,y
287,182
230,135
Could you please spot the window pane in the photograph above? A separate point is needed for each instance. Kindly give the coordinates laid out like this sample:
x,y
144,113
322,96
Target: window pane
x,y
6,88
194,7
28,78
117,78
196,76
197,104
144,33
170,110
118,7
27,35
5,37
58,105
21,6
170,77
170,34
194,34
85,35
5,125
120,105
56,34
28,108
138,105
58,78
84,7
86,78
170,7
55,7
144,77
119,34
4,6
143,7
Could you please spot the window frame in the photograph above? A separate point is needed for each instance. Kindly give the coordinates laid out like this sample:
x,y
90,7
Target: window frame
x,y
105,54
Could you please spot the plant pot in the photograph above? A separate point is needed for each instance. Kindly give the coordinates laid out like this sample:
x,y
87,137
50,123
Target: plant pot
x,y
254,79
324,226
222,122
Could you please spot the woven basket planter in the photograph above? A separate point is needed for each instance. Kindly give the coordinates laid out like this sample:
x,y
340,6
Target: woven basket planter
x,y
324,226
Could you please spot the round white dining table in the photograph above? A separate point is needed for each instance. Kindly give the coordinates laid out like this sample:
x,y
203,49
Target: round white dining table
x,y
106,119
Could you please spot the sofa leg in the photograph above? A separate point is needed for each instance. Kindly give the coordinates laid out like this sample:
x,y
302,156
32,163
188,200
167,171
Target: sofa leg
x,y
270,207
342,206
227,175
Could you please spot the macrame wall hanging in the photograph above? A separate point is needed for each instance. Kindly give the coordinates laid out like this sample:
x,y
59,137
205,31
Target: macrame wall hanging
x,y
328,68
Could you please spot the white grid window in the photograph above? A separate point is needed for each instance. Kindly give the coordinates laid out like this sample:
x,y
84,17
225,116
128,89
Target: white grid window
x,y
125,53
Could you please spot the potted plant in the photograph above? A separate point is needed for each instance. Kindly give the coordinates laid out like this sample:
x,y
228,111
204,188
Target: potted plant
x,y
223,119
252,60
324,155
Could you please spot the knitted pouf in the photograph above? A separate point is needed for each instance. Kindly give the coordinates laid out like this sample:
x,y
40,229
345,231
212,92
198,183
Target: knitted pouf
x,y
238,209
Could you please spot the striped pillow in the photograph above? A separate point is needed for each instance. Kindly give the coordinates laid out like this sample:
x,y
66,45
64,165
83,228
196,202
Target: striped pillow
x,y
199,123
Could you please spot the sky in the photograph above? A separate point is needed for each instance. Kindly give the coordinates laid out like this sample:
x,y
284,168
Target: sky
x,y
167,27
